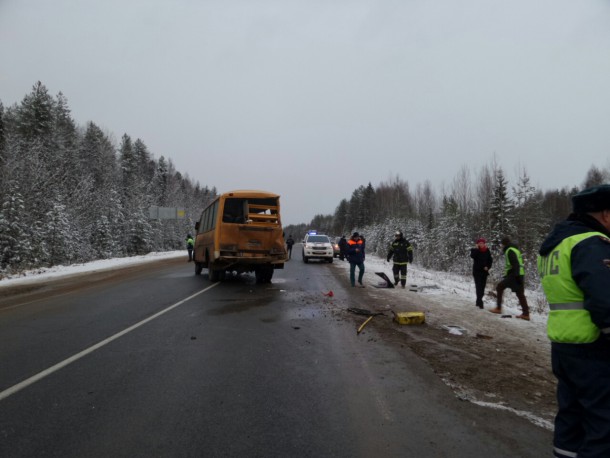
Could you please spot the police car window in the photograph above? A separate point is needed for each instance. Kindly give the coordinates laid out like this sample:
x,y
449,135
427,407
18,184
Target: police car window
x,y
318,239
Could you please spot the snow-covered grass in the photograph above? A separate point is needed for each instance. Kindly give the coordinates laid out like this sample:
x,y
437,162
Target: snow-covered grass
x,y
32,276
460,287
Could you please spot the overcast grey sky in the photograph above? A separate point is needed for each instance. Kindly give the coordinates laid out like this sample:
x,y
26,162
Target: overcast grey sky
x,y
311,99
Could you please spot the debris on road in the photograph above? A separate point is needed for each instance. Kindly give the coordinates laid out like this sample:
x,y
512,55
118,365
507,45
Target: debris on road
x,y
364,324
455,329
483,336
387,283
409,317
365,312
420,288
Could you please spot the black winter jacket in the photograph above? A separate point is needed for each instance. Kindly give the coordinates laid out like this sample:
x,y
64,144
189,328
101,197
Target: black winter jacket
x,y
401,250
482,259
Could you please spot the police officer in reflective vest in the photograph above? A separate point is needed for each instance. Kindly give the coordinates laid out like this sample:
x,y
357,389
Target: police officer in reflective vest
x,y
190,243
574,265
402,252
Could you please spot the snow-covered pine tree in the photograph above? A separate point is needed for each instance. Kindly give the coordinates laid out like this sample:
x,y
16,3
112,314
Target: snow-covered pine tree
x,y
530,222
501,209
102,239
340,218
140,237
368,207
14,234
2,141
59,238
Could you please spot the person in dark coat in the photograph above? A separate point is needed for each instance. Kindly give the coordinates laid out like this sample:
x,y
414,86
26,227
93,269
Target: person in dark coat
x,y
342,248
355,257
401,252
289,243
480,268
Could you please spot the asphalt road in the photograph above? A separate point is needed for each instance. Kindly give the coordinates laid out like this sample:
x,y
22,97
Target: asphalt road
x,y
232,369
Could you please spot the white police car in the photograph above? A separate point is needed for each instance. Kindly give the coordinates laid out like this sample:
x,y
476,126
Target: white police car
x,y
317,246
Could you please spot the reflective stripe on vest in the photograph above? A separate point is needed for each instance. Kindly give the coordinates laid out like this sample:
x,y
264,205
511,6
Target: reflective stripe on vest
x,y
508,266
568,321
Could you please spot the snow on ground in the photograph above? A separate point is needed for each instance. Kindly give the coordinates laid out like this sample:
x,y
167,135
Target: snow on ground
x,y
459,287
32,276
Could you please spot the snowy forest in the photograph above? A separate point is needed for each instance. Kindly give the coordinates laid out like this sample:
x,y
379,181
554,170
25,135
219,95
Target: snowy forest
x,y
443,226
70,194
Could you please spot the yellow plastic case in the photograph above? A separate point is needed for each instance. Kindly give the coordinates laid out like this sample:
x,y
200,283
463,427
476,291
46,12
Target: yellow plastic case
x,y
410,317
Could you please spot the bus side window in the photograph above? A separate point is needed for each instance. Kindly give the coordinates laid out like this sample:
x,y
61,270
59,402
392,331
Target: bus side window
x,y
201,223
213,213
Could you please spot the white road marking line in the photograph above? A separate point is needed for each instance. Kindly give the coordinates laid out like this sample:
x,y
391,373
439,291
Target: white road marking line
x,y
33,379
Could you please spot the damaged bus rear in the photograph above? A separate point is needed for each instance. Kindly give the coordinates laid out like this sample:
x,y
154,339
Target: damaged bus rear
x,y
240,231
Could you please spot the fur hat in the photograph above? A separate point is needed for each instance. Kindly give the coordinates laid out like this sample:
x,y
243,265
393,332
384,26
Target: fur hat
x,y
591,200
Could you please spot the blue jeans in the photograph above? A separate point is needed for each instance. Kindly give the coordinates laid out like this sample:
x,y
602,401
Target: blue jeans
x,y
352,272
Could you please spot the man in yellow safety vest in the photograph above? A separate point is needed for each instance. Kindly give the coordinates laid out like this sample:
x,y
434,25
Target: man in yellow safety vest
x,y
574,266
514,278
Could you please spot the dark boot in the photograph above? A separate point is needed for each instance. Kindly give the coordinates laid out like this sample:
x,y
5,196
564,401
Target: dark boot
x,y
524,307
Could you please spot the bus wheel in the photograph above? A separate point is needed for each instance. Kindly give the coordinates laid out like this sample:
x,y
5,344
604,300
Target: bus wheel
x,y
198,268
213,274
263,274
269,276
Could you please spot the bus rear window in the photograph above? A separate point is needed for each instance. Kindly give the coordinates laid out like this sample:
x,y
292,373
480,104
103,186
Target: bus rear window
x,y
240,211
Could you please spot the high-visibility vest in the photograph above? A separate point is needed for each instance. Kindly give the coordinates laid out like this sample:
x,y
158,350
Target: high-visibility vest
x,y
508,266
568,321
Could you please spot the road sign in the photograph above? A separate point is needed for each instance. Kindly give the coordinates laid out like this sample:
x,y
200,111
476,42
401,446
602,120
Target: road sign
x,y
166,213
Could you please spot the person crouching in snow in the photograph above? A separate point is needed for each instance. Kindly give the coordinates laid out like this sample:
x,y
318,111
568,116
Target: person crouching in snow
x,y
480,268
402,252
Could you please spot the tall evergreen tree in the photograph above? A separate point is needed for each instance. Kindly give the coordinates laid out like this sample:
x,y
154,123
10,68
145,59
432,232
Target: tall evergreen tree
x,y
59,237
2,139
368,206
14,234
340,217
529,221
501,208
35,115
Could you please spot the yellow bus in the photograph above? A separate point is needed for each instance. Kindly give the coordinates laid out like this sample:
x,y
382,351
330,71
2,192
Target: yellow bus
x,y
240,231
